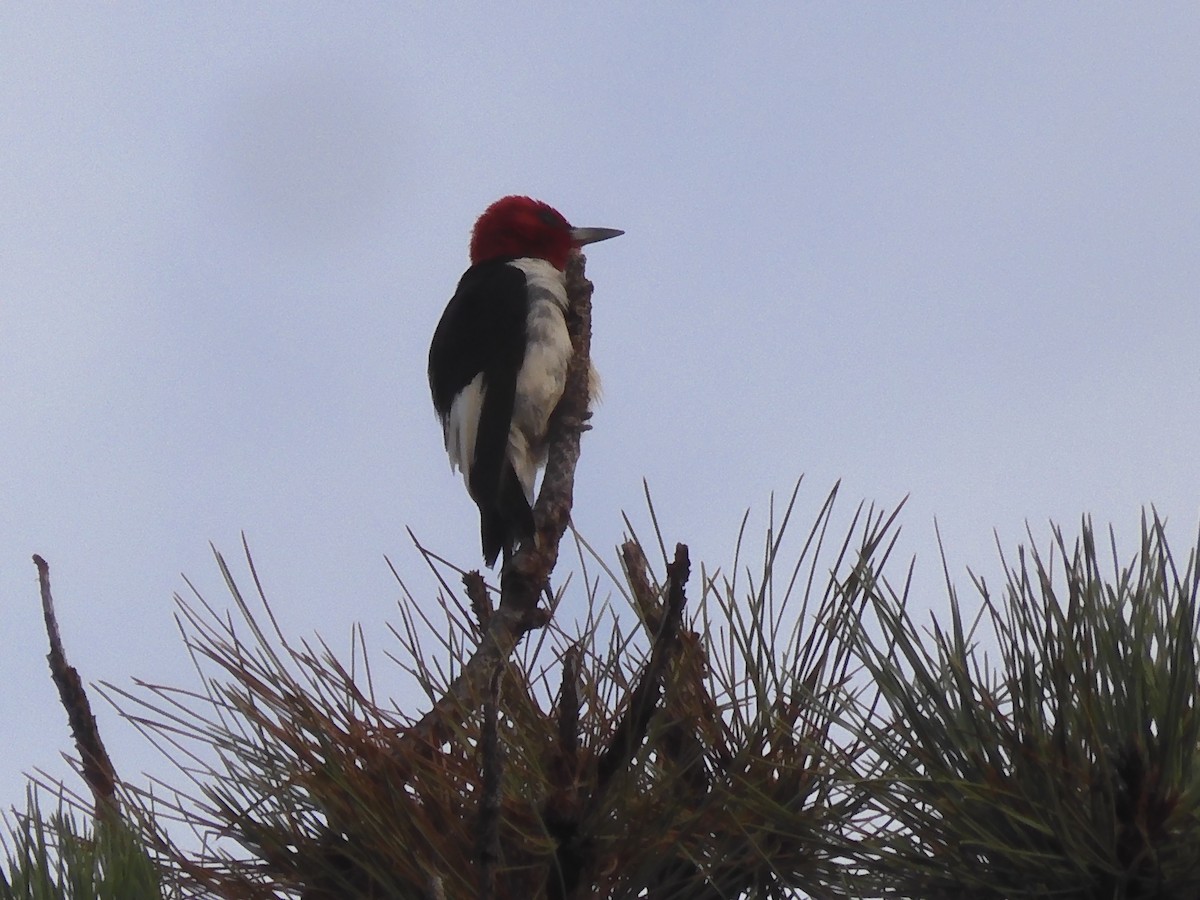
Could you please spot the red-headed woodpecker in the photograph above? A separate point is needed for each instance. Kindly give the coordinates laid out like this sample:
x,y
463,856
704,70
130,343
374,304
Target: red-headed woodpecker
x,y
498,361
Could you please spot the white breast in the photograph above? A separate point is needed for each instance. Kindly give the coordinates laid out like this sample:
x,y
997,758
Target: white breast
x,y
543,374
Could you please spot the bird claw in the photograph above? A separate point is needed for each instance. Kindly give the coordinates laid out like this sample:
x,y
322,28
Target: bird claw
x,y
578,423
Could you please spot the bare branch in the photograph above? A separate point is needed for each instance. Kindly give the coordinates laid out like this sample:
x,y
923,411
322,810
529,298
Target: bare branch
x,y
568,707
481,603
630,733
98,769
637,574
562,808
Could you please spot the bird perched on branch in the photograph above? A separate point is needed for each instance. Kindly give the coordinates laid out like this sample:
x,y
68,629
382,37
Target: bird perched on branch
x,y
498,361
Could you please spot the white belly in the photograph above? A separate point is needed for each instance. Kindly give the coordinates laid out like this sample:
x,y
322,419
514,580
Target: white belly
x,y
543,374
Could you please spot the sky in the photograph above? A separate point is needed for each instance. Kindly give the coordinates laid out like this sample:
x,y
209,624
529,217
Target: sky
x,y
945,252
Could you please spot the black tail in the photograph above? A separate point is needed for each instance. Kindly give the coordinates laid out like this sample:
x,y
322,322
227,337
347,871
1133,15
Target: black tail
x,y
506,521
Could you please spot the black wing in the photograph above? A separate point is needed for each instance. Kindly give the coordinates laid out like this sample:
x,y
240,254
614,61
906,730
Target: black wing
x,y
483,330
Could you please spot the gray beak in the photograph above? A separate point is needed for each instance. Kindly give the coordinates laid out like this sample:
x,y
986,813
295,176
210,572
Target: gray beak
x,y
581,236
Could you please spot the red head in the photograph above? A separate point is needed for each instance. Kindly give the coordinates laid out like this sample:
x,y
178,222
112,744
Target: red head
x,y
523,227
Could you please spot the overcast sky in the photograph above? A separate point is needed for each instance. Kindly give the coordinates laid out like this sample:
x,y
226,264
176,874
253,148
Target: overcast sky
x,y
939,250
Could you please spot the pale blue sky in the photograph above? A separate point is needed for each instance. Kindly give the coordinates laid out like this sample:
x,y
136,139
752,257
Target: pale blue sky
x,y
940,249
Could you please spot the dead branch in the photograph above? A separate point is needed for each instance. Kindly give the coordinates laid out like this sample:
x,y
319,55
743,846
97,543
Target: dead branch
x,y
561,810
481,602
644,595
569,826
631,731
568,707
97,767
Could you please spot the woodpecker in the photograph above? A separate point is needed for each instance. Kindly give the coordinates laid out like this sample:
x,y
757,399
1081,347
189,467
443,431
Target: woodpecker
x,y
498,361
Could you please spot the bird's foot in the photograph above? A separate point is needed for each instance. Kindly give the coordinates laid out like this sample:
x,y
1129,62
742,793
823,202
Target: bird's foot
x,y
578,423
